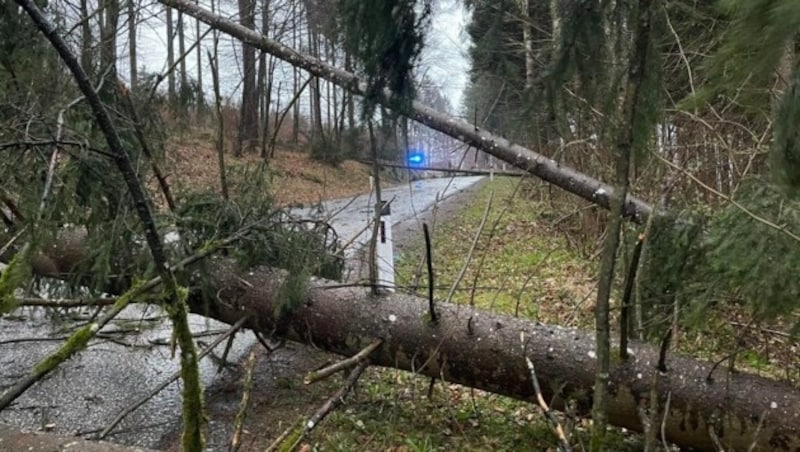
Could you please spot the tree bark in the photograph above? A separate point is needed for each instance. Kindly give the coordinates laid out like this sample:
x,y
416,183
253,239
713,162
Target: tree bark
x,y
170,60
487,351
545,168
527,42
248,122
200,101
184,79
133,16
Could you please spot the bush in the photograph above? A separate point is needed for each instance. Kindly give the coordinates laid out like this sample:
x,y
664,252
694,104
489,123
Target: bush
x,y
326,150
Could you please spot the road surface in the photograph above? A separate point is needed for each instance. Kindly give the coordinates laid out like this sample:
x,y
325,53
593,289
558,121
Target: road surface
x,y
85,393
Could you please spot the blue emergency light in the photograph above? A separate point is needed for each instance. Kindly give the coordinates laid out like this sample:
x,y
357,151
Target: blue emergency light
x,y
416,159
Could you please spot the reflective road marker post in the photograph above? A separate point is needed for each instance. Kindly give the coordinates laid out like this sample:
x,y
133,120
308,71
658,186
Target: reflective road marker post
x,y
384,252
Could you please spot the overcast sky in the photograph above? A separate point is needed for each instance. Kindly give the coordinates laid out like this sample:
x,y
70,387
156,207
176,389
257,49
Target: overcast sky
x,y
445,56
443,60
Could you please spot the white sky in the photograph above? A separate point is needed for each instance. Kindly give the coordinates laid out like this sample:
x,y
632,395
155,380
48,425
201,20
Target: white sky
x,y
443,60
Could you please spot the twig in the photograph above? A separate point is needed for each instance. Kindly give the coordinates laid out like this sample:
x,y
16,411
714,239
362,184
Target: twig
x,y
763,330
472,247
335,400
755,434
279,122
662,354
562,435
664,421
429,254
531,274
224,359
66,303
135,405
712,433
6,198
282,438
140,137
291,437
727,198
627,295
11,241
492,232
238,423
317,375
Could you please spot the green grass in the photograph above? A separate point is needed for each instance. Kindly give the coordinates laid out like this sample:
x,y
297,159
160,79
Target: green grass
x,y
518,265
517,269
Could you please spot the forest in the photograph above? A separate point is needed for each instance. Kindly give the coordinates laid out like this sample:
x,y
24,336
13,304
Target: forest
x,y
623,277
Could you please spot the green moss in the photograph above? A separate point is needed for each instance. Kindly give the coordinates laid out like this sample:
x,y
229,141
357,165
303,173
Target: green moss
x,y
74,344
14,275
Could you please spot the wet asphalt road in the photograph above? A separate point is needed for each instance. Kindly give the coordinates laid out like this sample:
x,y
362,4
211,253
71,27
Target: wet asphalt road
x,y
85,393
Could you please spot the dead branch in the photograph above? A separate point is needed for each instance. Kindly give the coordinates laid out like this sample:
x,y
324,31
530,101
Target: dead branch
x,y
135,405
325,372
238,423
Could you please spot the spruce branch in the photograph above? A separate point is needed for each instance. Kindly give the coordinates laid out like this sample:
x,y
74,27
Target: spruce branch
x,y
192,390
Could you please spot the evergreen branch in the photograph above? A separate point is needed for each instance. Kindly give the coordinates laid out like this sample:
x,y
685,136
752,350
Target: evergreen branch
x,y
192,390
745,210
80,339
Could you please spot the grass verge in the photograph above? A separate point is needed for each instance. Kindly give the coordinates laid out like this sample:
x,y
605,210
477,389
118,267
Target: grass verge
x,y
516,268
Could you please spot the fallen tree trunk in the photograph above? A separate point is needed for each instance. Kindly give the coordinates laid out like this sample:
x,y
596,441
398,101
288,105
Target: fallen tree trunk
x,y
545,168
487,351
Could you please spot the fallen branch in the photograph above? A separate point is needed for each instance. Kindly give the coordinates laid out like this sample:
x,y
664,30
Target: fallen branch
x,y
238,423
352,361
562,435
336,399
141,401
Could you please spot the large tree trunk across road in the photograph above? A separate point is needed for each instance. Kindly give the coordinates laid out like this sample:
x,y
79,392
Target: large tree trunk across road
x,y
487,351
547,169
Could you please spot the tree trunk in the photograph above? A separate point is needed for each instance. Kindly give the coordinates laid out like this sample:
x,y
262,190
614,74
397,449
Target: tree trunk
x,y
248,121
351,108
86,39
200,101
132,61
184,86
108,39
527,42
487,351
295,79
264,87
545,168
170,60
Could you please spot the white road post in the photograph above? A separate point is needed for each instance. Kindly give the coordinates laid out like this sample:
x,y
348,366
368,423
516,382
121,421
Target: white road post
x,y
384,252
